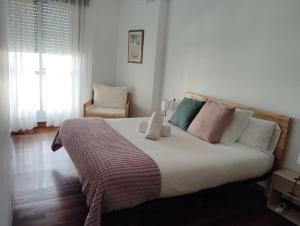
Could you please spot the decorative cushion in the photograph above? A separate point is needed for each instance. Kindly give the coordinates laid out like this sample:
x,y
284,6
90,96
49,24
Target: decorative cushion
x,y
109,97
211,122
258,134
237,125
106,112
186,112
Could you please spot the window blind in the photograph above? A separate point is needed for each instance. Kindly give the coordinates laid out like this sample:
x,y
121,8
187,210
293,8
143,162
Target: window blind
x,y
56,26
22,28
40,25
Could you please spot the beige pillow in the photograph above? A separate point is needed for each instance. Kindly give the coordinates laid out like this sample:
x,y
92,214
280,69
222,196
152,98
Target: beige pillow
x,y
109,97
258,134
236,127
211,122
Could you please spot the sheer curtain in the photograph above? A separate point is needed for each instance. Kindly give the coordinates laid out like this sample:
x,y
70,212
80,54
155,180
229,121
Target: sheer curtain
x,y
61,82
49,70
23,61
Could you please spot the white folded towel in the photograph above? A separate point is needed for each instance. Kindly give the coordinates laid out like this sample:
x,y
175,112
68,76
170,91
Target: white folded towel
x,y
165,130
143,127
154,126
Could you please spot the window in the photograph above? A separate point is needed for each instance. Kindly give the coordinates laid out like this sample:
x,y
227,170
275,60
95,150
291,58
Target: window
x,y
40,58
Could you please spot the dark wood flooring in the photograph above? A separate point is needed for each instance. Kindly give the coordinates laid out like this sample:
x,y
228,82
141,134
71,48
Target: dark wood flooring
x,y
47,193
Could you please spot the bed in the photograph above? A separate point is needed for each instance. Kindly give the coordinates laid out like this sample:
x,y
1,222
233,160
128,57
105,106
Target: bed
x,y
120,169
182,158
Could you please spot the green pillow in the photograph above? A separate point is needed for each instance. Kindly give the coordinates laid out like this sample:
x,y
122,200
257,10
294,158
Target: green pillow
x,y
186,112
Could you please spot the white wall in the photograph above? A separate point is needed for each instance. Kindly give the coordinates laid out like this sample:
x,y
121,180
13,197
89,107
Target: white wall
x,y
104,28
5,152
142,79
160,55
239,50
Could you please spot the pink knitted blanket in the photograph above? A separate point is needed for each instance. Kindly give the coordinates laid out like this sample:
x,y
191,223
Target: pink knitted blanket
x,y
114,173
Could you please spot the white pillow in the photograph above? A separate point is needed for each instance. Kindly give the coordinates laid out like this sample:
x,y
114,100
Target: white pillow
x,y
274,139
236,127
109,97
258,134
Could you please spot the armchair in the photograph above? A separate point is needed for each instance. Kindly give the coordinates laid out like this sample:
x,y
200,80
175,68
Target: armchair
x,y
102,108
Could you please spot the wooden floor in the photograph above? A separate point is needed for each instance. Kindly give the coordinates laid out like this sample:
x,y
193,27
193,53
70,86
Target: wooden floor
x,y
47,193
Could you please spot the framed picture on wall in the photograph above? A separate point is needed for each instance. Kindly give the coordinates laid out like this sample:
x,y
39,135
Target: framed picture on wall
x,y
135,46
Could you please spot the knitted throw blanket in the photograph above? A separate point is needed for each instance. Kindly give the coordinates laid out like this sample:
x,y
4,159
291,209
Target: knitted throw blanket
x,y
114,173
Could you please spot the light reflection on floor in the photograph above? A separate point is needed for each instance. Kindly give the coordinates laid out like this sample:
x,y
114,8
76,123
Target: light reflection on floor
x,y
42,166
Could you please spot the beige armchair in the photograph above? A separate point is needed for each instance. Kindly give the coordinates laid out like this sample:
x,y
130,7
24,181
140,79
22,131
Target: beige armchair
x,y
92,109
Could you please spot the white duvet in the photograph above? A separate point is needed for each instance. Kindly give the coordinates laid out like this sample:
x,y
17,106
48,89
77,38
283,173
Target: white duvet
x,y
188,164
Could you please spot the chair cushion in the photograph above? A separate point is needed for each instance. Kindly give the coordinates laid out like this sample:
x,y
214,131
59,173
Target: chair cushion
x,y
106,112
109,97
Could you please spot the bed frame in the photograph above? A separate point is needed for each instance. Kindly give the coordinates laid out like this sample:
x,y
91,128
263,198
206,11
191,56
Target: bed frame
x,y
132,214
284,123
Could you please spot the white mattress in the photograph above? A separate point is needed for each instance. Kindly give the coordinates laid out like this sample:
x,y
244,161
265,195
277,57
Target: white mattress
x,y
188,164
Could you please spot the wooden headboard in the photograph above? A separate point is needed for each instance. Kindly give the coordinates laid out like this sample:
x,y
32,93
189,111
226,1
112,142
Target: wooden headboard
x,y
283,121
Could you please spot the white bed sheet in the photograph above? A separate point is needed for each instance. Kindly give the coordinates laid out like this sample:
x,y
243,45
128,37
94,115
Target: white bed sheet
x,y
188,164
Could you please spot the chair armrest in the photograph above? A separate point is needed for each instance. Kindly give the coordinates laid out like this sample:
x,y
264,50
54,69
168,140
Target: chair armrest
x,y
85,106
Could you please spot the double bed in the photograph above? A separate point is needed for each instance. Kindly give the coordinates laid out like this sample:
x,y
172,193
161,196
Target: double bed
x,y
119,168
188,164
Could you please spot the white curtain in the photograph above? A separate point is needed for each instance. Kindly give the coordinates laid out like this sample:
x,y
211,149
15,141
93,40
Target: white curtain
x,y
49,73
23,60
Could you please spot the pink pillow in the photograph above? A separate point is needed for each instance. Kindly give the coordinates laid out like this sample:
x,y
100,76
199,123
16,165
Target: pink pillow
x,y
211,122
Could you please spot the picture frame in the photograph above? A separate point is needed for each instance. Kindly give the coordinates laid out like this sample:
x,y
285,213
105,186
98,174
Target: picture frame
x,y
135,46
